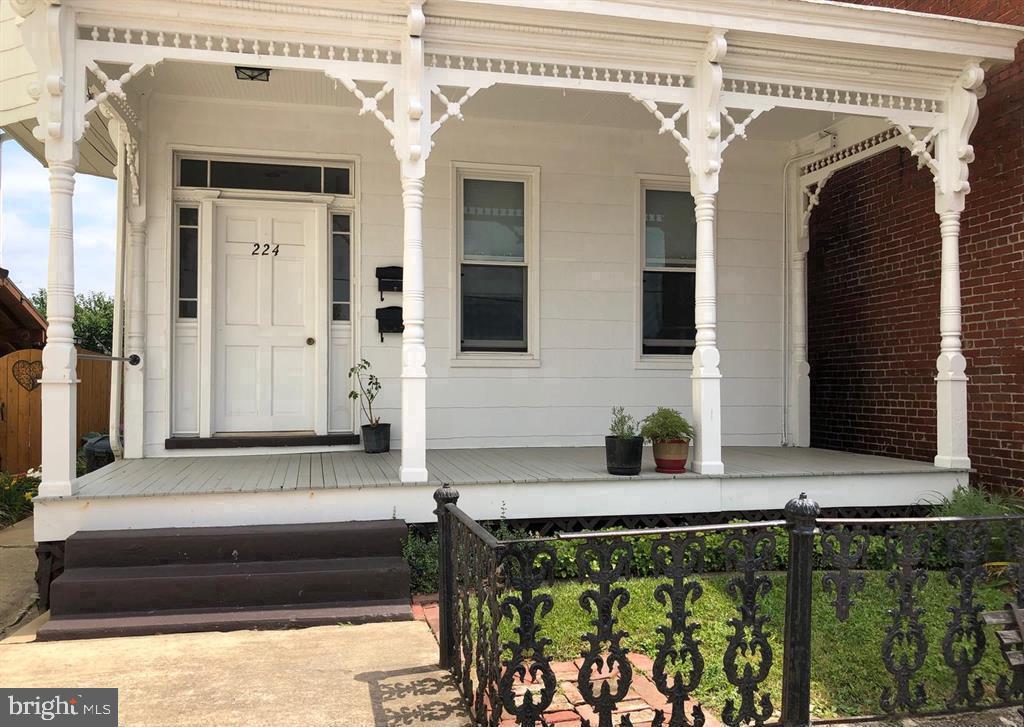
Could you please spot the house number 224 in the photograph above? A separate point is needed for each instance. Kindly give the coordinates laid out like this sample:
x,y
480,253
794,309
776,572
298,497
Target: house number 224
x,y
265,249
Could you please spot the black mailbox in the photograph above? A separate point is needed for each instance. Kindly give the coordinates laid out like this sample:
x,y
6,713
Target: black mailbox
x,y
389,280
389,320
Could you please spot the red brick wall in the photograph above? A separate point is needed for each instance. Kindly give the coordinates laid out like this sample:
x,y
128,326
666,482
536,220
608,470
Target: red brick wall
x,y
873,287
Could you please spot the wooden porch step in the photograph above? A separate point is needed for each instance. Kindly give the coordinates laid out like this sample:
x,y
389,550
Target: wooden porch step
x,y
252,584
165,546
175,622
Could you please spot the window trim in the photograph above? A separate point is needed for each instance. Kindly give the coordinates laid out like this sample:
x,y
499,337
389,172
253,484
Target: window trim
x,y
654,361
530,177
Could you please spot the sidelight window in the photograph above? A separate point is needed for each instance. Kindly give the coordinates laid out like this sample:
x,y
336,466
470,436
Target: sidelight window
x,y
341,267
188,262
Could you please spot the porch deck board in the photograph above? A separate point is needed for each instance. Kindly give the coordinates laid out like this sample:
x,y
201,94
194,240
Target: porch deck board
x,y
182,475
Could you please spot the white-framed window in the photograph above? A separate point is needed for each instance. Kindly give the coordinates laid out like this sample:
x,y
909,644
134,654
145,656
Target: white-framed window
x,y
668,243
497,293
187,238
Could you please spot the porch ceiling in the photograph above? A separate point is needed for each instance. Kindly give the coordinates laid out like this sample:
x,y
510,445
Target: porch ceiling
x,y
509,103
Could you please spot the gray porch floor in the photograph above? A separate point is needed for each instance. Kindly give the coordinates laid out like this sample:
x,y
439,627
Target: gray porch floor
x,y
336,470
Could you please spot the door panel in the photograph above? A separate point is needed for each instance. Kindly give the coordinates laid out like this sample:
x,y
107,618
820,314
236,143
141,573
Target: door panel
x,y
265,288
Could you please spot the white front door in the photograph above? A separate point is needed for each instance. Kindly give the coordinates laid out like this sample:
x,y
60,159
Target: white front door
x,y
264,318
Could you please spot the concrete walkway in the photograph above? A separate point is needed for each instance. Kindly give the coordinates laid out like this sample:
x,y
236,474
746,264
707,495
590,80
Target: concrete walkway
x,y
17,575
377,675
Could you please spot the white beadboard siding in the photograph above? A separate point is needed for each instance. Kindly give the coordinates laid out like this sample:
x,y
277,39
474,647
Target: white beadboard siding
x,y
588,270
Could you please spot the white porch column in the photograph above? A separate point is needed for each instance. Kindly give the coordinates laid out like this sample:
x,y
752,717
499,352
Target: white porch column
x,y
135,337
414,351
48,32
950,168
951,366
59,383
412,145
705,159
706,379
799,369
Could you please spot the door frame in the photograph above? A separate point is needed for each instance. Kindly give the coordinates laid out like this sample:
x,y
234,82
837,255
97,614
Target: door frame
x,y
208,310
205,199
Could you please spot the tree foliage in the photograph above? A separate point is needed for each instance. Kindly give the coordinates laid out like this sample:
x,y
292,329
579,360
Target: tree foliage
x,y
94,319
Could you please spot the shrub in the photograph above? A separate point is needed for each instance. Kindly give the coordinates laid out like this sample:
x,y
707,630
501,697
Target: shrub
x,y
420,552
623,426
665,424
16,493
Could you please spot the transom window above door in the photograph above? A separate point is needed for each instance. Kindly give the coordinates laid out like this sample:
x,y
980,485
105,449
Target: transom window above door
x,y
264,176
496,263
668,272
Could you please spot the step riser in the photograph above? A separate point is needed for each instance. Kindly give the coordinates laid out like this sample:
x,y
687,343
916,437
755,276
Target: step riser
x,y
250,590
91,627
235,544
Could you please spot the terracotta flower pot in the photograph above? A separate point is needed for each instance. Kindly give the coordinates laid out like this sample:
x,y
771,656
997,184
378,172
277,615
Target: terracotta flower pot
x,y
670,455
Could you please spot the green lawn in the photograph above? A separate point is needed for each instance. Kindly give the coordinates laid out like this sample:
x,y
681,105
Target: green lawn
x,y
848,673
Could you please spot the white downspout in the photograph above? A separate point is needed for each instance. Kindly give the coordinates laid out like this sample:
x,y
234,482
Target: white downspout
x,y
117,366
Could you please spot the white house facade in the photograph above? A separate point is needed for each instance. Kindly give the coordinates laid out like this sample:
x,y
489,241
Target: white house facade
x,y
520,213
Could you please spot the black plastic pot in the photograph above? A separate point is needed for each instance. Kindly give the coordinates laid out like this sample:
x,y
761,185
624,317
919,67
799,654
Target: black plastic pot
x,y
98,453
377,439
624,456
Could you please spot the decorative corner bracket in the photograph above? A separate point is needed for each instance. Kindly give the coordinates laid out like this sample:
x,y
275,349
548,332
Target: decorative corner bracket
x,y
452,109
369,104
811,198
667,124
739,129
946,150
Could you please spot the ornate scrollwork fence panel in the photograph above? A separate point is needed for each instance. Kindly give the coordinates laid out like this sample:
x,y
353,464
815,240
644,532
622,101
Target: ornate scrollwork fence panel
x,y
931,581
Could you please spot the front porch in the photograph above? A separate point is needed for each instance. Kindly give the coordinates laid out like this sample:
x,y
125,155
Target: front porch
x,y
517,483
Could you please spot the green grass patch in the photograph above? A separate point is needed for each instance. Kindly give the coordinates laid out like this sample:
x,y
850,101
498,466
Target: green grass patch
x,y
848,672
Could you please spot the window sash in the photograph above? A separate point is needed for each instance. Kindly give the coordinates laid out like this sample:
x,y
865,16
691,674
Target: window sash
x,y
669,266
495,346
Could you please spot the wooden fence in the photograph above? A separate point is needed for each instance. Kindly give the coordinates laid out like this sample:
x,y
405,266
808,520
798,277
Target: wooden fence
x,y
20,420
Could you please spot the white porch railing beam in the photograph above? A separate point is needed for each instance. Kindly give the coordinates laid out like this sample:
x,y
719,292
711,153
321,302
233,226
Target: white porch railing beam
x,y
412,145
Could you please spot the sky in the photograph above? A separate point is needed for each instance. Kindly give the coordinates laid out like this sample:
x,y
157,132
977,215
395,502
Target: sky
x,y
25,207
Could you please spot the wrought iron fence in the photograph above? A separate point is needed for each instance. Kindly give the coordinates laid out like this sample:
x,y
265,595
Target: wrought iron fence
x,y
496,604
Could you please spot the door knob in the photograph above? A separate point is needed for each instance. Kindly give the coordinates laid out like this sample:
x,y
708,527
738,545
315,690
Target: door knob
x,y
310,341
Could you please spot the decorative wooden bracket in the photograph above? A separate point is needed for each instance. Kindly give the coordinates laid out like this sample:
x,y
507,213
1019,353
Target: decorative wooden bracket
x,y
811,199
946,150
369,104
739,129
452,109
668,124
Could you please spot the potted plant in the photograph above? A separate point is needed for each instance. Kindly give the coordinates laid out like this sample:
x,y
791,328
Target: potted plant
x,y
624,447
670,434
376,436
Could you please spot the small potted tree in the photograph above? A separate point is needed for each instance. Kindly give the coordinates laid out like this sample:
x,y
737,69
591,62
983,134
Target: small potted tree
x,y
670,434
624,447
376,436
